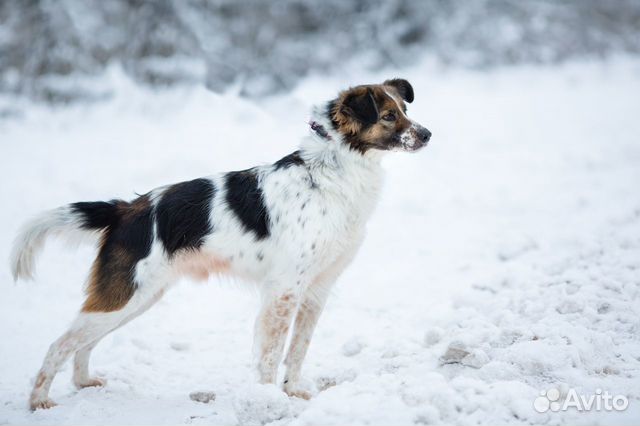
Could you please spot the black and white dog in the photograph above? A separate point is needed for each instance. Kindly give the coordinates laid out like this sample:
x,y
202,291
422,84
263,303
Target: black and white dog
x,y
292,226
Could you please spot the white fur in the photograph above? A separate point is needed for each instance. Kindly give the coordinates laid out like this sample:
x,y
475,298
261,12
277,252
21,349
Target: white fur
x,y
317,222
30,240
318,215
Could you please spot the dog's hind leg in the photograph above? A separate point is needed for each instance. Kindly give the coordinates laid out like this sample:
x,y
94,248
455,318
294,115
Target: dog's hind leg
x,y
85,332
87,328
81,377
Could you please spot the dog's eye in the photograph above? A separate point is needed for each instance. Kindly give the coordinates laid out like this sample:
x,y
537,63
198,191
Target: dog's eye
x,y
389,117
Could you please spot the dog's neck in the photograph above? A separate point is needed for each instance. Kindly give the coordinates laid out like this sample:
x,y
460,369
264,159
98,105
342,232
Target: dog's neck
x,y
337,167
319,130
326,147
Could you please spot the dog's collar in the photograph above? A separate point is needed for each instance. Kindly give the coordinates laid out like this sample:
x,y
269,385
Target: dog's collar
x,y
320,130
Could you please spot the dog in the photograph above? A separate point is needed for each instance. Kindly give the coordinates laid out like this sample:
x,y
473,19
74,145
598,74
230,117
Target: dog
x,y
292,226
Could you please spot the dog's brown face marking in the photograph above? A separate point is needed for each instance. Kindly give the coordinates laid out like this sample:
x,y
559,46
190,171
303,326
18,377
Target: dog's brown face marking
x,y
374,117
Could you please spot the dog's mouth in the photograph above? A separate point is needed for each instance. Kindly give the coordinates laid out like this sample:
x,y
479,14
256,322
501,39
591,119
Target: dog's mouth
x,y
413,148
417,146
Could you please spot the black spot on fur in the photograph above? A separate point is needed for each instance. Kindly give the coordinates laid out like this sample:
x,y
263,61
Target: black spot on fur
x,y
132,234
97,215
362,107
128,225
293,159
246,200
183,215
403,87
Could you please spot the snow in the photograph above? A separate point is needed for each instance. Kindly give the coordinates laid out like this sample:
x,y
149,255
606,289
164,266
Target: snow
x,y
502,261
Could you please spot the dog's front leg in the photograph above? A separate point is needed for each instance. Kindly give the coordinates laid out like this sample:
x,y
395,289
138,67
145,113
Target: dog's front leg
x,y
313,302
272,326
305,323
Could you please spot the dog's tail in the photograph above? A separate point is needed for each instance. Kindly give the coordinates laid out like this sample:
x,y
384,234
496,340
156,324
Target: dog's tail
x,y
75,223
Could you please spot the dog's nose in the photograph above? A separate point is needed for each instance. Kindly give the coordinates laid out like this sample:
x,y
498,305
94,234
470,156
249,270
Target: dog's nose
x,y
424,135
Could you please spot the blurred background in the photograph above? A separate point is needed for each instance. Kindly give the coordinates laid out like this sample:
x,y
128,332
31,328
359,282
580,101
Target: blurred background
x,y
50,50
502,260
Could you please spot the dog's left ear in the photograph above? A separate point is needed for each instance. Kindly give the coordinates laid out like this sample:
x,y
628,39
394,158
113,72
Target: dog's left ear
x,y
403,87
361,105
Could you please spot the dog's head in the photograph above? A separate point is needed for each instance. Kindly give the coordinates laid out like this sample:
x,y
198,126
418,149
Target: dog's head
x,y
374,117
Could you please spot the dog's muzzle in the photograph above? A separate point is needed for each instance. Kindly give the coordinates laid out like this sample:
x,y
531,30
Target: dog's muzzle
x,y
419,137
423,134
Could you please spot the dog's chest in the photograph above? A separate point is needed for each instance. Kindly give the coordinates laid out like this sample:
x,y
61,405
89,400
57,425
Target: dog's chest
x,y
317,218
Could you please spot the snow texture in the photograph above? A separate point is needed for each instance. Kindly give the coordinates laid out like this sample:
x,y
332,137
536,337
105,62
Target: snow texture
x,y
50,50
503,260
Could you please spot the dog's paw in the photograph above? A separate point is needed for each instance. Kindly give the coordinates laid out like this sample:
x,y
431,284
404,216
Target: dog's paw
x,y
303,388
41,404
90,382
299,393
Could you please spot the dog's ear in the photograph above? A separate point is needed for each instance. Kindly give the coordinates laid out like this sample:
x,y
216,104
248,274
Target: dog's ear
x,y
403,87
361,105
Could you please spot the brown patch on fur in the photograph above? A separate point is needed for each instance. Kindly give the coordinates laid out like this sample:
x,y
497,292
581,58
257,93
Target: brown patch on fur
x,y
40,380
284,305
346,124
199,265
110,285
274,324
278,316
107,292
278,319
383,134
129,211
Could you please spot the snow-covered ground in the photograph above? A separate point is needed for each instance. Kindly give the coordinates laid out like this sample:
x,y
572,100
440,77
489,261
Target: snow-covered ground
x,y
503,260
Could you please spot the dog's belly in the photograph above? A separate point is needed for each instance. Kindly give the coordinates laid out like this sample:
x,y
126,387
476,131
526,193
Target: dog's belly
x,y
199,265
